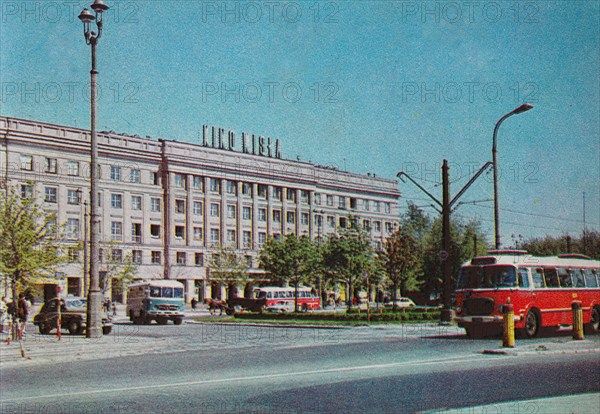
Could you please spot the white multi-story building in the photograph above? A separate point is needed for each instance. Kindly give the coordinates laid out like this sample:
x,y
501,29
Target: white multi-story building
x,y
171,205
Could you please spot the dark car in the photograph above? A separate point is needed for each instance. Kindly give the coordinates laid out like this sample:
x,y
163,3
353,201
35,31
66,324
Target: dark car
x,y
73,315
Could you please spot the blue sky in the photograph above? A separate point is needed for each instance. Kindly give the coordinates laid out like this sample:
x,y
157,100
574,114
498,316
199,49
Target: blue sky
x,y
367,86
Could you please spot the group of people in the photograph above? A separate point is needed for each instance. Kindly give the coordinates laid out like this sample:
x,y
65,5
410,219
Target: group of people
x,y
15,311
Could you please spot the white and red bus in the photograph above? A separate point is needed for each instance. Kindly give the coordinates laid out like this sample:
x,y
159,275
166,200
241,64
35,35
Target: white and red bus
x,y
284,297
541,289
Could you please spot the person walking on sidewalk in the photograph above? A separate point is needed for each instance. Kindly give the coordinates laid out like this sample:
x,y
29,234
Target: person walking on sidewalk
x,y
3,313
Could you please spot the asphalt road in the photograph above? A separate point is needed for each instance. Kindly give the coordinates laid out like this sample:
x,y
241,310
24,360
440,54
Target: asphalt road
x,y
231,369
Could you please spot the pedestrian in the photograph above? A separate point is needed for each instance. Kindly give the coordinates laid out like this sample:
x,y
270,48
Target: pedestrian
x,y
3,313
23,308
194,302
114,309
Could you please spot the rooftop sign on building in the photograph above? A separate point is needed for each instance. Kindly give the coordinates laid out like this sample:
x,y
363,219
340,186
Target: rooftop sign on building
x,y
250,143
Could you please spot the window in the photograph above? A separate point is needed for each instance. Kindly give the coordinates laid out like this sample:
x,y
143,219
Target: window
x,y
155,177
247,239
231,236
135,176
231,187
197,208
136,232
136,202
291,194
366,225
116,255
262,214
353,203
341,202
247,213
51,166
387,207
115,173
262,238
73,197
377,245
155,257
73,168
198,183
277,216
198,233
377,225
590,278
366,205
51,228
199,259
538,278
116,230
262,191
278,193
215,185
155,230
180,206
27,162
180,180
72,230
247,189
319,221
26,190
179,232
578,278
50,194
343,222
249,261
330,221
551,277
215,236
523,278
116,201
101,255
291,217
565,278
214,210
376,206
136,256
231,211
388,227
181,258
72,254
155,204
304,218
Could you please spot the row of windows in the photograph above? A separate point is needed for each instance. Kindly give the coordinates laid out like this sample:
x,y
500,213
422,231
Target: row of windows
x,y
564,278
117,173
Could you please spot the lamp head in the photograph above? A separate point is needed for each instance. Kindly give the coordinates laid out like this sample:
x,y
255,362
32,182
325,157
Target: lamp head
x,y
86,16
99,6
523,108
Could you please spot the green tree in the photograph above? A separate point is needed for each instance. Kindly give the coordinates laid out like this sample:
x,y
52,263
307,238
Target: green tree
x,y
401,257
292,260
229,268
554,245
116,271
346,257
29,248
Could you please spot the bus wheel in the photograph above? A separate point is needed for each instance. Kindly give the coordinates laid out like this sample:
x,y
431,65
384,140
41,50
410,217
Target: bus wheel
x,y
304,307
178,321
532,324
594,325
161,320
474,332
74,326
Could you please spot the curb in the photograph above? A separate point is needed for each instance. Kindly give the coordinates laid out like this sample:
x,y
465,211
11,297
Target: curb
x,y
268,325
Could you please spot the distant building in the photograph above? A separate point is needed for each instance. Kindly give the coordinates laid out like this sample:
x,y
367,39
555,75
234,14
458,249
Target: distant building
x,y
171,205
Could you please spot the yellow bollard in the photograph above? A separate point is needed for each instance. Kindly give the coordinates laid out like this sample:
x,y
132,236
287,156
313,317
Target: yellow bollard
x,y
508,325
577,320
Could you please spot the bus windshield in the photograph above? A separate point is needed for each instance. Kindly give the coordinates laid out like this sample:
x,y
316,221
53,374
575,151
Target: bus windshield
x,y
165,292
477,277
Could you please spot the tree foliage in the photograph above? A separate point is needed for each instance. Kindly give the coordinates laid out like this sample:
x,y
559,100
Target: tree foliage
x,y
550,245
228,267
29,248
115,271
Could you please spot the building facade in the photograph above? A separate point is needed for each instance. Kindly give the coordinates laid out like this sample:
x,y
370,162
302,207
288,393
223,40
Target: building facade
x,y
170,205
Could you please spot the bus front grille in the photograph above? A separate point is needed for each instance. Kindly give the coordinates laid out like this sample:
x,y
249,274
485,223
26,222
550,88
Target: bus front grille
x,y
479,306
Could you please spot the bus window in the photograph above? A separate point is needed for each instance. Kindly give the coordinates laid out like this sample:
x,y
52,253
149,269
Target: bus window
x,y
154,292
167,292
551,278
523,278
590,278
565,278
578,278
538,278
290,294
505,277
177,292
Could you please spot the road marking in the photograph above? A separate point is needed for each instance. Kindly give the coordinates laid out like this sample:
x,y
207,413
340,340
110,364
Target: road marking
x,y
444,361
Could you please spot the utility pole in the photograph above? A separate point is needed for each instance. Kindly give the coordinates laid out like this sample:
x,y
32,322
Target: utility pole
x,y
446,206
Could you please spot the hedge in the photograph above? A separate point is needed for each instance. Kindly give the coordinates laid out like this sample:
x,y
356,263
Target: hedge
x,y
344,316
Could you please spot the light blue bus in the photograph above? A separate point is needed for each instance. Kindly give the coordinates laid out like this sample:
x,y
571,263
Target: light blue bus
x,y
160,300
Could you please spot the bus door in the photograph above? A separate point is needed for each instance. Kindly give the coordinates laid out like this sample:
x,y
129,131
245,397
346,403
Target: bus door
x,y
526,293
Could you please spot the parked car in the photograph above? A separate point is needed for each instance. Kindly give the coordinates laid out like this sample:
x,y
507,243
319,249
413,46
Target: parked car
x,y
73,315
281,307
401,303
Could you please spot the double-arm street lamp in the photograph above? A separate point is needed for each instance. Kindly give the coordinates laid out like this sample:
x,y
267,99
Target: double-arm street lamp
x,y
523,108
94,329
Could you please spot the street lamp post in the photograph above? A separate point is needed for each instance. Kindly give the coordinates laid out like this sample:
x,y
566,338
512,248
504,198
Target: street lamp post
x,y
523,108
94,329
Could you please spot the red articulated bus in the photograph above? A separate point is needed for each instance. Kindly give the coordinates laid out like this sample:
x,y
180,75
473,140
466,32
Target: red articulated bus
x,y
541,289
